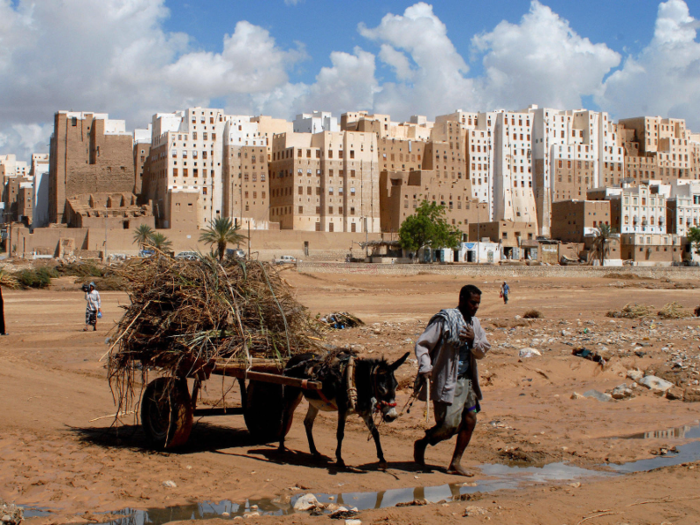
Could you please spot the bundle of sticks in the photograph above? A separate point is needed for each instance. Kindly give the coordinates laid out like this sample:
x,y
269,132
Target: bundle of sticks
x,y
186,313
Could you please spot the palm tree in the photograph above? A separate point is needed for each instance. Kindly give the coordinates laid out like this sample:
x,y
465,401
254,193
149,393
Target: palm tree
x,y
602,236
142,234
221,232
159,242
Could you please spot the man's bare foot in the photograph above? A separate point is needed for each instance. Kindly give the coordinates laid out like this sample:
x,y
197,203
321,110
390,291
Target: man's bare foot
x,y
419,452
458,470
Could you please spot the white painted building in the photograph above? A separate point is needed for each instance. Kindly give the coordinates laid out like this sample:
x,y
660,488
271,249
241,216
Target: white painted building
x,y
143,136
186,154
480,252
572,137
513,196
11,167
316,122
642,211
40,183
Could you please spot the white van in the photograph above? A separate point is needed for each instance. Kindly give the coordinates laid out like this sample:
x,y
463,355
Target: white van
x,y
286,259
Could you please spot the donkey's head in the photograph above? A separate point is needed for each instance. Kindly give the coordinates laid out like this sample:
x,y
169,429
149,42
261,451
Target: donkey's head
x,y
384,387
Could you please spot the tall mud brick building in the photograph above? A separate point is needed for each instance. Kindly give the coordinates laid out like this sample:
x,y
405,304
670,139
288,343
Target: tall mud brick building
x,y
89,154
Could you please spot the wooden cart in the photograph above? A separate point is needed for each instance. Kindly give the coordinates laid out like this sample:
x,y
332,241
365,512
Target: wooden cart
x,y
168,408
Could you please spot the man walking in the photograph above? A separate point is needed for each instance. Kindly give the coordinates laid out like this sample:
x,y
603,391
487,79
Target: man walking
x,y
94,306
505,290
447,352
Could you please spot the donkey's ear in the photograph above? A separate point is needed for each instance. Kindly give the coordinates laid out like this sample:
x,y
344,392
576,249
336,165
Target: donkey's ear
x,y
400,361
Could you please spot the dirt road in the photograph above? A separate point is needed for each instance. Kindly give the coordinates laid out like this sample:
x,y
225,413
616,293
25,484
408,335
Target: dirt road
x,y
57,450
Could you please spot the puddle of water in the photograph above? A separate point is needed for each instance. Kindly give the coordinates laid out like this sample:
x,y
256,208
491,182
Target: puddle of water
x,y
684,432
34,512
500,477
686,453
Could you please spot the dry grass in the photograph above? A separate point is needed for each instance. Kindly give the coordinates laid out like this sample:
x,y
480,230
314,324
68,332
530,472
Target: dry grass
x,y
674,311
533,314
632,311
639,311
7,280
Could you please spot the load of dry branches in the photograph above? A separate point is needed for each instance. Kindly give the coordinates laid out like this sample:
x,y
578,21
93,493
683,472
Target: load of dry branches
x,y
184,314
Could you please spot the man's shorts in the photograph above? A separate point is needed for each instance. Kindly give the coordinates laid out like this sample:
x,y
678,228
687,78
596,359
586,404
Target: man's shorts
x,y
448,417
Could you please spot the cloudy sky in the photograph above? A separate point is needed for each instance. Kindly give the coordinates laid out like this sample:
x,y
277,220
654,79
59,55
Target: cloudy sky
x,y
132,58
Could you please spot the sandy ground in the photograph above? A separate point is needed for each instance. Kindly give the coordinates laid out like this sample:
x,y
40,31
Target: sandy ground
x,y
57,450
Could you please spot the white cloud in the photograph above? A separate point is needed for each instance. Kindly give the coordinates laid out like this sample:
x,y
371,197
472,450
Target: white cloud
x,y
398,61
114,56
249,63
293,2
437,83
541,60
664,79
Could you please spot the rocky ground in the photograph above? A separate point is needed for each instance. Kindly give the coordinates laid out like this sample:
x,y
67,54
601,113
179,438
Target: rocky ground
x,y
59,452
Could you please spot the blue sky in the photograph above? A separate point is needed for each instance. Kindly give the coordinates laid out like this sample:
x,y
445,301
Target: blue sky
x,y
133,58
324,25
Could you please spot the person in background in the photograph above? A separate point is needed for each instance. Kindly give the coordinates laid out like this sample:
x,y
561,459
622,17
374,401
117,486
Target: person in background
x,y
2,315
447,352
505,290
93,308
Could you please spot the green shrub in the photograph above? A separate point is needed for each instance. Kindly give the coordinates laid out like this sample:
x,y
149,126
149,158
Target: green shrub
x,y
36,277
83,269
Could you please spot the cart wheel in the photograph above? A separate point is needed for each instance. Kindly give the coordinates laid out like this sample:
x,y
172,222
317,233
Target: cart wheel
x,y
166,412
263,411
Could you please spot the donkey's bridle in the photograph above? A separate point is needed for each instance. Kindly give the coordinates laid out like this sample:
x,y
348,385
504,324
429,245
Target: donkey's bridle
x,y
380,402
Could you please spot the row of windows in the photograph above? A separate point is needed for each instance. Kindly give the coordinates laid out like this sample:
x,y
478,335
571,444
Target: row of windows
x,y
287,173
286,154
644,221
254,176
288,209
255,194
195,172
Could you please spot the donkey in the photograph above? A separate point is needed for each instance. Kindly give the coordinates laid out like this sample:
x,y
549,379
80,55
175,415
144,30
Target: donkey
x,y
371,390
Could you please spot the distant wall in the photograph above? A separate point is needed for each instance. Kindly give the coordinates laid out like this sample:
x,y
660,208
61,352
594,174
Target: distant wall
x,y
267,243
501,272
